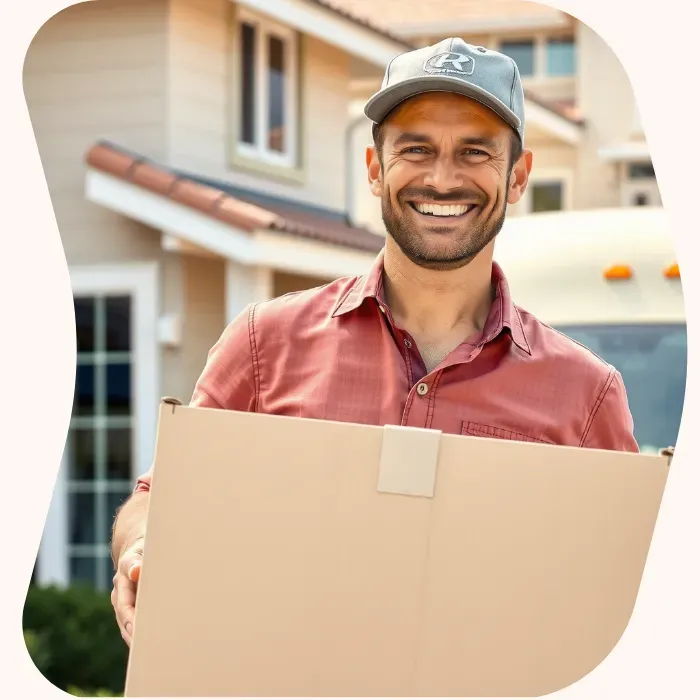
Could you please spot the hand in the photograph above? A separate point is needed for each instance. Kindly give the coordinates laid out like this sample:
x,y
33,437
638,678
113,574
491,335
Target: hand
x,y
124,591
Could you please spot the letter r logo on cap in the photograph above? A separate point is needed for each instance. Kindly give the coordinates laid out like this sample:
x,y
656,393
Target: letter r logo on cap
x,y
450,63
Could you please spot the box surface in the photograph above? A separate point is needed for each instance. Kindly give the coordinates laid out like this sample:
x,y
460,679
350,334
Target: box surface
x,y
292,557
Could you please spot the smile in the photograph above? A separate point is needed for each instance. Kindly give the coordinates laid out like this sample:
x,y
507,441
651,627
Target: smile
x,y
443,210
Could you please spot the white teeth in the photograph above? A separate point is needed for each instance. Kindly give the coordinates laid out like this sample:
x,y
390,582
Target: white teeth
x,y
438,210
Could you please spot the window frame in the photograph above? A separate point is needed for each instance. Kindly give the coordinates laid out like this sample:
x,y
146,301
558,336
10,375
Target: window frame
x,y
140,282
548,183
544,176
523,40
266,28
540,41
630,176
545,58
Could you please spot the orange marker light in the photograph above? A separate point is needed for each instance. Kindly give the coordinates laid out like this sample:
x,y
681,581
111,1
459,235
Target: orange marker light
x,y
672,271
618,272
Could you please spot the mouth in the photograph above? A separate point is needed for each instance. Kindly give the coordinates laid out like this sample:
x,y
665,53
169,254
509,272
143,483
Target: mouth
x,y
442,211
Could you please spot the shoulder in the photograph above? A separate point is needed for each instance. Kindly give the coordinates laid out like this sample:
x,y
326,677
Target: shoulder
x,y
551,345
302,309
593,387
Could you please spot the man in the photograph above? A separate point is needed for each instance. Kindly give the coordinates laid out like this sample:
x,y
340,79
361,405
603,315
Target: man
x,y
429,337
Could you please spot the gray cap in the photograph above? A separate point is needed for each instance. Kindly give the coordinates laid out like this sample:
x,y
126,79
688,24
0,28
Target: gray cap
x,y
489,77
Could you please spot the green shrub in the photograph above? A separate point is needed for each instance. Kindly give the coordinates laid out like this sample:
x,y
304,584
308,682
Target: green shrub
x,y
79,693
38,650
73,639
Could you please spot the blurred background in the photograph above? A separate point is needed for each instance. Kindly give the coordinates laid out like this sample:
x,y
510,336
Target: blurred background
x,y
203,154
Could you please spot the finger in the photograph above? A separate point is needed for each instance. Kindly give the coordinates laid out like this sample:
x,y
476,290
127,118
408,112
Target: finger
x,y
126,601
128,562
126,637
134,572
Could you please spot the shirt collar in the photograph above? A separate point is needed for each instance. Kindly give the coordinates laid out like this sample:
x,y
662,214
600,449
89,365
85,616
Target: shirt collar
x,y
503,315
369,286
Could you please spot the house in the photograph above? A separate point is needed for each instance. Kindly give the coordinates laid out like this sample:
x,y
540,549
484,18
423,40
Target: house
x,y
196,154
582,122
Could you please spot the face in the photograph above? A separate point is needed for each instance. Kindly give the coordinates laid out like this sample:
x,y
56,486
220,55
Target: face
x,y
444,177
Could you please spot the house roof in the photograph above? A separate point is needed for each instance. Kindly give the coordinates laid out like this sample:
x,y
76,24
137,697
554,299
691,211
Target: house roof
x,y
244,209
566,109
345,10
461,17
424,17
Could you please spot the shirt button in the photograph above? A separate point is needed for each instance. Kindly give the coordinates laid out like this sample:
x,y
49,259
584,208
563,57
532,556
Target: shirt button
x,y
422,389
407,342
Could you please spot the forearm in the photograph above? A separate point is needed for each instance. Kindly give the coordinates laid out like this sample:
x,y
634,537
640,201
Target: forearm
x,y
130,523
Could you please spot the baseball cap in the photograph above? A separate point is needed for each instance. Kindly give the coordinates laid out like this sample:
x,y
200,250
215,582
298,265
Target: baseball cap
x,y
452,65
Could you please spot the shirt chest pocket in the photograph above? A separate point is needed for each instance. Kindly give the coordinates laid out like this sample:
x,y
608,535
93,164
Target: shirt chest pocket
x,y
490,431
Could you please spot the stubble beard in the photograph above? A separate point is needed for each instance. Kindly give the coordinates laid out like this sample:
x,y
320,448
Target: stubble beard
x,y
460,248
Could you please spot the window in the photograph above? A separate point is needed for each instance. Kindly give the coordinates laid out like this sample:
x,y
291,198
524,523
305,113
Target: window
x,y
640,171
547,196
114,420
637,193
653,362
267,90
523,53
99,445
561,57
542,57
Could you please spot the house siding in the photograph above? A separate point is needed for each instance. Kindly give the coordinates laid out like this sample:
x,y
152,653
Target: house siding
x,y
203,92
96,71
609,108
205,315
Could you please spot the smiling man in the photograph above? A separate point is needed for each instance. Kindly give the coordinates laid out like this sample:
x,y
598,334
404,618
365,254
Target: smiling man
x,y
430,337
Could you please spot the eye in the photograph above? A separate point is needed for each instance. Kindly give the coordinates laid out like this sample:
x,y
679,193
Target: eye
x,y
415,150
475,152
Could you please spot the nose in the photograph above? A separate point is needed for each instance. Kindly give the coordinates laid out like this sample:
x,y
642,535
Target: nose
x,y
444,175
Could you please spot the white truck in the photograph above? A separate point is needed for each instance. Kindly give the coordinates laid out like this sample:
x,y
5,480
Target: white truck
x,y
609,279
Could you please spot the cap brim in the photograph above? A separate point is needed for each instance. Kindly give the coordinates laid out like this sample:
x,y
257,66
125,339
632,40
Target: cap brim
x,y
379,105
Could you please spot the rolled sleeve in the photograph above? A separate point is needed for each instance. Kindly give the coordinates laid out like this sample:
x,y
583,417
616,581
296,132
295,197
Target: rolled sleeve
x,y
611,426
229,379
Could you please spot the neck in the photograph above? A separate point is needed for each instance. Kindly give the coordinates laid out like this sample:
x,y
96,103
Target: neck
x,y
437,302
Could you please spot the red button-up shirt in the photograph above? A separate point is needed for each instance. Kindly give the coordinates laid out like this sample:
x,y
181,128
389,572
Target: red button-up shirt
x,y
335,353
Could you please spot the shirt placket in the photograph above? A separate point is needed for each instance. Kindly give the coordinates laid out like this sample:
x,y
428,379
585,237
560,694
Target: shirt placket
x,y
422,387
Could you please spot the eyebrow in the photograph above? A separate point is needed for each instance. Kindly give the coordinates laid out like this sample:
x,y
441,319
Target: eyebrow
x,y
415,137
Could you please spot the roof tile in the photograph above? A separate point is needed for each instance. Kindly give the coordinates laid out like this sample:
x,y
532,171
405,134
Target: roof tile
x,y
144,175
293,218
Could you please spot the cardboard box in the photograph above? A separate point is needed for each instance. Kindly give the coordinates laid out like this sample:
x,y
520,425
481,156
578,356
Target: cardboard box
x,y
293,557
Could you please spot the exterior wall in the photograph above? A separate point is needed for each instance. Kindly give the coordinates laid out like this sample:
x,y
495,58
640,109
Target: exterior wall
x,y
551,160
284,283
96,71
204,318
203,91
172,294
610,111
366,208
154,76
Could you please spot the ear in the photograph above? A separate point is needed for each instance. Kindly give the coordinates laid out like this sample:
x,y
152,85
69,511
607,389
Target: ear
x,y
374,171
519,177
